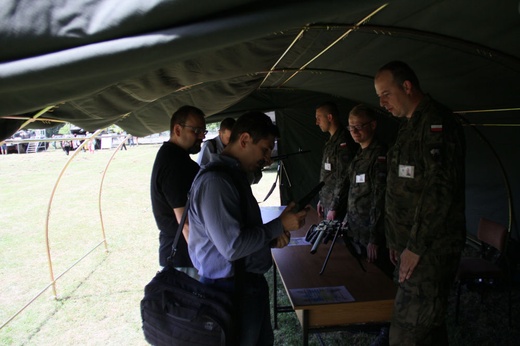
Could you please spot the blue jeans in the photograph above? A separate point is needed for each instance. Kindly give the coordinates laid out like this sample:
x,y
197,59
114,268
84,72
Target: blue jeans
x,y
254,314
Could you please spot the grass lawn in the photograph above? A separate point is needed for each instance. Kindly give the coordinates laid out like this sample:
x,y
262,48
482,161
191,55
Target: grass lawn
x,y
98,299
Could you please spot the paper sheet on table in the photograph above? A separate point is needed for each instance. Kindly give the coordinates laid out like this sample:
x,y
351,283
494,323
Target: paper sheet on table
x,y
320,295
298,241
272,212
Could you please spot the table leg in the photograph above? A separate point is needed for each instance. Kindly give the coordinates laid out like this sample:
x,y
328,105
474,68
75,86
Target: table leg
x,y
305,327
275,297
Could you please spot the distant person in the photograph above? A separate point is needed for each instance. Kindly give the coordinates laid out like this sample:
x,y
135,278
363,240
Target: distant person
x,y
337,155
75,143
425,206
4,148
67,146
172,174
123,136
226,226
131,140
91,144
217,144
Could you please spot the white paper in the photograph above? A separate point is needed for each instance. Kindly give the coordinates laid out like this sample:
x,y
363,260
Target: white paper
x,y
320,295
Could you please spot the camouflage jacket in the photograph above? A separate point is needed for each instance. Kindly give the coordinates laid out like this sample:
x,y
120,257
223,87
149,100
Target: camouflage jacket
x,y
366,196
337,155
425,210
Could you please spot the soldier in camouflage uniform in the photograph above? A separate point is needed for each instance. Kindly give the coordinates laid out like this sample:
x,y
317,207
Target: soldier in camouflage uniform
x,y
366,194
425,216
337,154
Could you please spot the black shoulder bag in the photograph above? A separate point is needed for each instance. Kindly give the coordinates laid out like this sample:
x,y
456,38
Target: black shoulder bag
x,y
179,310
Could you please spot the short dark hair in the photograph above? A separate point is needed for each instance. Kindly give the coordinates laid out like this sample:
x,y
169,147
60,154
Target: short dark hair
x,y
363,110
330,107
181,115
401,73
227,124
257,124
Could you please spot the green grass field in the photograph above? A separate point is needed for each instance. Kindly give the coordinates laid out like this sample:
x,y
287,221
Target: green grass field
x,y
98,299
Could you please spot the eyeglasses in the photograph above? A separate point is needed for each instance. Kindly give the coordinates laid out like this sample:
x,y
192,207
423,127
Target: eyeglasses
x,y
358,127
196,130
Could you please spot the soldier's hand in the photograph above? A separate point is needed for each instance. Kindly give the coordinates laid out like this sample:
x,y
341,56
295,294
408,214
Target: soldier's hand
x,y
409,261
372,252
292,221
319,209
394,256
331,215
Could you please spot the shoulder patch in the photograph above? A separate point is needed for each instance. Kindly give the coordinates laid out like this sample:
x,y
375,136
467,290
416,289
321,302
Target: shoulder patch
x,y
381,159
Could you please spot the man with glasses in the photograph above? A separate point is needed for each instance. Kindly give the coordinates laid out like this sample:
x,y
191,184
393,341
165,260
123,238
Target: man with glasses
x,y
337,155
366,193
366,196
172,175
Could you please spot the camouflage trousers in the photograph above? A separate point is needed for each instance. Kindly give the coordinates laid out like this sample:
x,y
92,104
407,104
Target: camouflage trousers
x,y
421,302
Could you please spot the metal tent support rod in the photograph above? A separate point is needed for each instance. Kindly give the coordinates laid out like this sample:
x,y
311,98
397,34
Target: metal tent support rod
x,y
101,189
47,242
36,116
103,241
355,27
502,170
297,38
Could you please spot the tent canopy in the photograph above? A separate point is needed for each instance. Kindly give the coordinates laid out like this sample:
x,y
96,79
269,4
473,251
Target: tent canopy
x,y
100,62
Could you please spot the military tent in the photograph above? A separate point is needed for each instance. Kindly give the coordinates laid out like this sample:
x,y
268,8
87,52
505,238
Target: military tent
x,y
98,62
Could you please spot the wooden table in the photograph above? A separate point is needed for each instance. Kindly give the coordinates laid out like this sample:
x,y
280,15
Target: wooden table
x,y
373,291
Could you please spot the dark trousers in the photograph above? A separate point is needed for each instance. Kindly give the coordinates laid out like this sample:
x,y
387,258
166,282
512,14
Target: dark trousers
x,y
421,302
253,311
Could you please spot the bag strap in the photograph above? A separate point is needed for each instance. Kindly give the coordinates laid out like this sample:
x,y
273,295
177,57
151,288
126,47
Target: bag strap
x,y
179,229
239,264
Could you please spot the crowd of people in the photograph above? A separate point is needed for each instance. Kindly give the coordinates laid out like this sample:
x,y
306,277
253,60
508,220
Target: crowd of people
x,y
403,205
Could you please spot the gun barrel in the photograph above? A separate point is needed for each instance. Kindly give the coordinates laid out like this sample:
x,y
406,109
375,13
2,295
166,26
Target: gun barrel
x,y
318,241
308,197
284,156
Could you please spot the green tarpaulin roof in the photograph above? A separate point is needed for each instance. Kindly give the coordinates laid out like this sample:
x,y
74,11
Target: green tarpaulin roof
x,y
133,62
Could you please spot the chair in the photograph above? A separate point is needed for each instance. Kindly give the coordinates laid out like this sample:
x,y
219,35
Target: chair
x,y
492,265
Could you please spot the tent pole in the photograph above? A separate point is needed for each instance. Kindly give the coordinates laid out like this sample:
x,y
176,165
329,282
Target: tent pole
x,y
300,34
101,189
49,257
502,170
353,28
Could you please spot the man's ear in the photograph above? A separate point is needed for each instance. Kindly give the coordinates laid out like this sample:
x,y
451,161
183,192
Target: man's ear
x,y
177,129
329,117
243,139
407,86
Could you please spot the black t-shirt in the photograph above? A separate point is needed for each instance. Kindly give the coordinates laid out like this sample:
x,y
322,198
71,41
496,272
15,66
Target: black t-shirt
x,y
172,175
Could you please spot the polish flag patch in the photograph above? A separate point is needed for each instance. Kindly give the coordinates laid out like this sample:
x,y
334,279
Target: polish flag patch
x,y
436,128
343,145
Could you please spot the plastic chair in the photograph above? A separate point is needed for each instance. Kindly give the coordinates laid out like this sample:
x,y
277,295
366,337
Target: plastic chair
x,y
491,267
